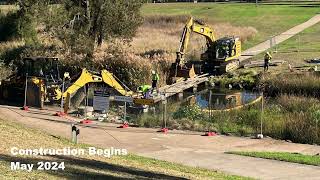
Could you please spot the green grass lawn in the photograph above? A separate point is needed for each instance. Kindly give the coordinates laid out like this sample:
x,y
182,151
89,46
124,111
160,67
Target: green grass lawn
x,y
296,50
283,156
267,19
87,167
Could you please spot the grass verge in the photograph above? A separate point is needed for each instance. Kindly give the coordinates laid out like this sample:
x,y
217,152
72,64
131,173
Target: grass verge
x,y
264,18
283,156
87,167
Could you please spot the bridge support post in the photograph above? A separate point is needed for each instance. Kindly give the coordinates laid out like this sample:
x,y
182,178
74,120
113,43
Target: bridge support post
x,y
195,88
180,96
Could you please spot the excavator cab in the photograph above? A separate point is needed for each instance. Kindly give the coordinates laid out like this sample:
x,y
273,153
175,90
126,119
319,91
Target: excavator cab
x,y
43,74
222,56
42,67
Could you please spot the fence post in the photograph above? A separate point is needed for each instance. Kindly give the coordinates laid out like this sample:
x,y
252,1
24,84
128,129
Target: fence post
x,y
25,107
271,43
260,136
275,44
74,133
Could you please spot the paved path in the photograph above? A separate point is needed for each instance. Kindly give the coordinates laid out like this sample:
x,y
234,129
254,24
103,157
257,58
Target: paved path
x,y
178,146
279,38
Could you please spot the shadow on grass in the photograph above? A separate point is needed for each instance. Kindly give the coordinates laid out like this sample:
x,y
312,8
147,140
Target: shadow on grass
x,y
89,169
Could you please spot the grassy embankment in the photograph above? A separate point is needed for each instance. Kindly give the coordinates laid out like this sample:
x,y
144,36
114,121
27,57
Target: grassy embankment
x,y
283,156
88,167
296,50
267,20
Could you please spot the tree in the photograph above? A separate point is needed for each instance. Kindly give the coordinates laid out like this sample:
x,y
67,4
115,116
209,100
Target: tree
x,y
90,22
83,25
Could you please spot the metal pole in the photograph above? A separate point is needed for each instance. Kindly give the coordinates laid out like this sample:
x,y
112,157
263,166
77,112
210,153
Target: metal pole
x,y
164,110
165,114
210,105
125,111
262,109
275,43
61,105
85,103
25,91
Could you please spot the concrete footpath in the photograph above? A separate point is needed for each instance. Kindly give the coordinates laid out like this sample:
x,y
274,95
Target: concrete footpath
x,y
187,148
279,38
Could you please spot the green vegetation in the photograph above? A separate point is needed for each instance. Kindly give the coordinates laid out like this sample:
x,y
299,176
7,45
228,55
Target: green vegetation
x,y
304,84
268,20
283,156
246,79
92,167
294,118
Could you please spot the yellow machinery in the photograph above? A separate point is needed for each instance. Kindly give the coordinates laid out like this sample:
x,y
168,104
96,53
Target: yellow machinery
x,y
90,77
45,83
221,55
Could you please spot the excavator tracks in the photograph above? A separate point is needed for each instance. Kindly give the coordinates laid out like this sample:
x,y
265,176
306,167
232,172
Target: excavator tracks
x,y
229,66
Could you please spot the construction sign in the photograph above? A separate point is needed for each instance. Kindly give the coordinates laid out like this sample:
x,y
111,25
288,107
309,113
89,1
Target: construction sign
x,y
101,101
123,99
143,101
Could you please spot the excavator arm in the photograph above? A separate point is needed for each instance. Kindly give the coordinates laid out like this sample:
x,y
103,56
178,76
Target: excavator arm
x,y
193,26
88,77
110,79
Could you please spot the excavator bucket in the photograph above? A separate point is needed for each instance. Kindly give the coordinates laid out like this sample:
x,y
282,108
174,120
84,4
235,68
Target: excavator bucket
x,y
186,72
178,73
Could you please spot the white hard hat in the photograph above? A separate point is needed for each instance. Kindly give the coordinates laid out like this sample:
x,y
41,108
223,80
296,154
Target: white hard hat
x,y
153,71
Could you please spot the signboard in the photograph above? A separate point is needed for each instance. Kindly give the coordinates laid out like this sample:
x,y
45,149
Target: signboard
x,y
144,101
123,99
101,101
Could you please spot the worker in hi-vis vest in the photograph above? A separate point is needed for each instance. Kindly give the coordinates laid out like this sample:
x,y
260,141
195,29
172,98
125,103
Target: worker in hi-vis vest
x,y
155,78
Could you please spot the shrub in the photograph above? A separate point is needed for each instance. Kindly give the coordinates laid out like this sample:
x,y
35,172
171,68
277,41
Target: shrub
x,y
13,26
189,112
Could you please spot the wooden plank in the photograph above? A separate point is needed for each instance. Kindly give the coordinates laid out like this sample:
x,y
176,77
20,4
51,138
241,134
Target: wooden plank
x,y
179,87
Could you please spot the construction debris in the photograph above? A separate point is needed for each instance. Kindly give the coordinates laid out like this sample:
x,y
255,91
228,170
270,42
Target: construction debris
x,y
314,61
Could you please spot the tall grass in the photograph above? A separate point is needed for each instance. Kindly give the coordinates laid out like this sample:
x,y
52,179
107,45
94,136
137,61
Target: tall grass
x,y
298,119
294,118
164,32
307,84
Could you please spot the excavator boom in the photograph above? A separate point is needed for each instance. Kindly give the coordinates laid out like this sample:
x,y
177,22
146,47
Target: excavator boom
x,y
190,27
88,77
110,79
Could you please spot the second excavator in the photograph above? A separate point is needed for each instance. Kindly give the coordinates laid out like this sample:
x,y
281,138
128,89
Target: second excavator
x,y
220,56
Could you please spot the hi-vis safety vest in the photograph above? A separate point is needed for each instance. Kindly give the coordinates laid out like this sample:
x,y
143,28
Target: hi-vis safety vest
x,y
155,77
267,56
144,88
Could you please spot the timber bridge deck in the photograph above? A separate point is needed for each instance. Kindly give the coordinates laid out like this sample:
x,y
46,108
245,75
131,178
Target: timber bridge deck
x,y
179,87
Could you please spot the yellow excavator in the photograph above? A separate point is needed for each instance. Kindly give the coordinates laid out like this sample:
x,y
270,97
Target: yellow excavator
x,y
45,83
220,56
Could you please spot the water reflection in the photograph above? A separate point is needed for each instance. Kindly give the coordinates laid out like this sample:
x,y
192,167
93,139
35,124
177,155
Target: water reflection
x,y
217,99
